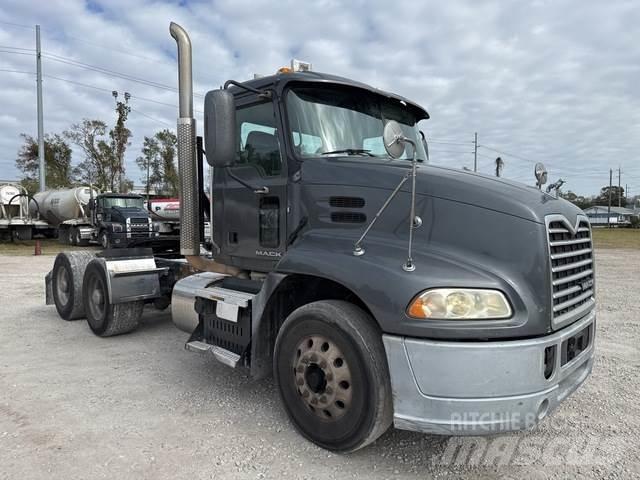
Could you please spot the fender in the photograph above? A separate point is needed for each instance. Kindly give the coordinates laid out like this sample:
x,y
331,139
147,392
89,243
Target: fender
x,y
378,279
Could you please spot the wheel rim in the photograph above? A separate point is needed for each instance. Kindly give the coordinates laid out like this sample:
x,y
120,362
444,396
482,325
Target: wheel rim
x,y
63,285
103,240
97,296
322,377
78,237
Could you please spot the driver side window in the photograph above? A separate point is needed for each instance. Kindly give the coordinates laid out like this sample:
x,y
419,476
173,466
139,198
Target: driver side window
x,y
259,146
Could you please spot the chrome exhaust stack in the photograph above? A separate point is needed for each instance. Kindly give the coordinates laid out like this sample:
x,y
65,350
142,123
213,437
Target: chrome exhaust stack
x,y
187,158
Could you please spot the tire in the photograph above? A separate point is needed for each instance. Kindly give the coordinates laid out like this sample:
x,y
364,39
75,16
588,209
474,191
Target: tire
x,y
106,319
103,238
78,240
73,236
67,275
331,353
63,236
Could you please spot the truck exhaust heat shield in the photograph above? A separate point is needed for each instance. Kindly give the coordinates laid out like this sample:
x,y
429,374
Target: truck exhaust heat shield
x,y
187,163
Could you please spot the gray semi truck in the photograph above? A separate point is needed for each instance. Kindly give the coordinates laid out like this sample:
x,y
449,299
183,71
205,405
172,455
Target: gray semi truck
x,y
377,289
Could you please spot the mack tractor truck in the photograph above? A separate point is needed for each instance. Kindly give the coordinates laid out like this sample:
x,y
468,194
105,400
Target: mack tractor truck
x,y
377,289
81,216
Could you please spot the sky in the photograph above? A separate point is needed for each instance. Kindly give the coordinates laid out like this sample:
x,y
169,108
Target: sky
x,y
549,81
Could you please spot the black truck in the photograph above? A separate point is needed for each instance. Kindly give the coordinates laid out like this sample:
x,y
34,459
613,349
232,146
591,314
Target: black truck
x,y
120,220
375,288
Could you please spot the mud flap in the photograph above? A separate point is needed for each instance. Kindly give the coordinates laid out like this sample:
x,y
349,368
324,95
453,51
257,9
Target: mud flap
x,y
48,289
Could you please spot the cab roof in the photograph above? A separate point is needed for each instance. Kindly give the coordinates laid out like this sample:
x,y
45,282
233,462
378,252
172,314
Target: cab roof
x,y
280,80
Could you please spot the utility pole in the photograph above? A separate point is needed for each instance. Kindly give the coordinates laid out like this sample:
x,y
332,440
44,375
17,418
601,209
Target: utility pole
x,y
626,194
43,182
610,187
475,152
619,188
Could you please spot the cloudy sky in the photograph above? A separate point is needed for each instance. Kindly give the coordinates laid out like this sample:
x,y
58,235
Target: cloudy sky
x,y
547,80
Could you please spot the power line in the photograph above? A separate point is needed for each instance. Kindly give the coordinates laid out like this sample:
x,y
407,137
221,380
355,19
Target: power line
x,y
15,53
449,151
17,25
144,99
502,152
117,50
17,48
152,118
113,73
16,71
449,143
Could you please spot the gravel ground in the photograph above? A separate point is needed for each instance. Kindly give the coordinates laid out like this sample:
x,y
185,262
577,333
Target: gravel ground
x,y
139,406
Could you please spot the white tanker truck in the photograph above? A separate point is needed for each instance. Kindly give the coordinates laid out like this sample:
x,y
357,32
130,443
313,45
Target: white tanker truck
x,y
16,221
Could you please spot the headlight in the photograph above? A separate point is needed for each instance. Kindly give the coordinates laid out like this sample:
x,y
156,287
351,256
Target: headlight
x,y
459,304
117,228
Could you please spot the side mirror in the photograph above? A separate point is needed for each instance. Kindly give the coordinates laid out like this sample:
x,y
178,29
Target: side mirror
x,y
425,145
393,139
220,128
540,173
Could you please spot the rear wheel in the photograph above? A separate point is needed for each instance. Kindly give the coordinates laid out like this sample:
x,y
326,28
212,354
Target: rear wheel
x,y
68,271
106,319
331,369
78,240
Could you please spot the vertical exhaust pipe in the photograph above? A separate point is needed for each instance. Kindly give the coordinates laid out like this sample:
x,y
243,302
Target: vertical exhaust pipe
x,y
188,164
187,159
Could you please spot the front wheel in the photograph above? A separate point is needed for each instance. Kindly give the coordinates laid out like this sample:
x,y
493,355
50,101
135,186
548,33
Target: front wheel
x,y
104,240
331,369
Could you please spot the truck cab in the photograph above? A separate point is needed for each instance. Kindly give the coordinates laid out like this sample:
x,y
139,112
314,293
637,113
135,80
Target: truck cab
x,y
375,288
120,219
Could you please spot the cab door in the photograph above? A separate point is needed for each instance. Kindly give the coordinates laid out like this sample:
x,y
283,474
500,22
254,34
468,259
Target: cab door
x,y
253,192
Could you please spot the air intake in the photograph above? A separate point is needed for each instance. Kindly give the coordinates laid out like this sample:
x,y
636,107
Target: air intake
x,y
346,202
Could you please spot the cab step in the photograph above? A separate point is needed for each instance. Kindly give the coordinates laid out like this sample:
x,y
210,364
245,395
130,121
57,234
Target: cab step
x,y
223,356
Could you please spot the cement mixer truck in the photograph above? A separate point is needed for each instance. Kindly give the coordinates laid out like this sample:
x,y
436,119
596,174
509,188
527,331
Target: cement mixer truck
x,y
81,216
16,220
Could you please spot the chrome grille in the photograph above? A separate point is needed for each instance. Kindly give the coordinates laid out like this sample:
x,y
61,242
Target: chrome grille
x,y
572,268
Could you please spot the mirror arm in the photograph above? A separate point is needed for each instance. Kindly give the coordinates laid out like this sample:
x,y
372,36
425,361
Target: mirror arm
x,y
256,190
261,93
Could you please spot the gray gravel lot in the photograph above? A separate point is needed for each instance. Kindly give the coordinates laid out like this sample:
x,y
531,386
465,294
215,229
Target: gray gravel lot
x,y
139,406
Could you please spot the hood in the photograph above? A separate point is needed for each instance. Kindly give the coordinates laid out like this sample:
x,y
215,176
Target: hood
x,y
492,193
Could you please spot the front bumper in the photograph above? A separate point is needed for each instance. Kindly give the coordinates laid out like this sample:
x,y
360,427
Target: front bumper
x,y
479,388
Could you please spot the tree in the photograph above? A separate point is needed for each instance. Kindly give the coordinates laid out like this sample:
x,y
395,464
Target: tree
x,y
89,136
103,165
158,158
57,159
603,197
120,136
578,200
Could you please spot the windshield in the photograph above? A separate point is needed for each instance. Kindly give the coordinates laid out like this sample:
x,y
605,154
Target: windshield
x,y
128,202
342,121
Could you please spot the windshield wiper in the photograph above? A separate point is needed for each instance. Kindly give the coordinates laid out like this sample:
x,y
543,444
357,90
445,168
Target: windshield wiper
x,y
351,151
